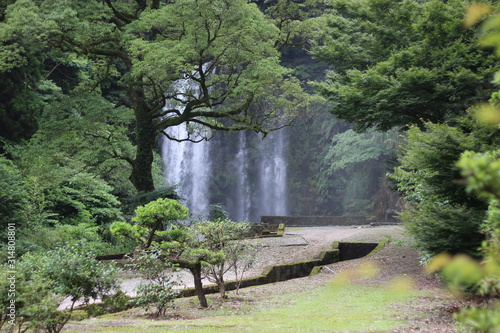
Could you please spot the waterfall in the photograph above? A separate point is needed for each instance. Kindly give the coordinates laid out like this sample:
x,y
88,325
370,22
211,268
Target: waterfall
x,y
273,194
187,165
246,174
243,189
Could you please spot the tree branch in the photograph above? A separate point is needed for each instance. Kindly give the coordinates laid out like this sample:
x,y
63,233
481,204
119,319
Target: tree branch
x,y
121,16
111,53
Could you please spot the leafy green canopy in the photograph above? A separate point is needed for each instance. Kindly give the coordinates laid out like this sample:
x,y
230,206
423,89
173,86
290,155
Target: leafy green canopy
x,y
428,170
151,220
225,48
397,63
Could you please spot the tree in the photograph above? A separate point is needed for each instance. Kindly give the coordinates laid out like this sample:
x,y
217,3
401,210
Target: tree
x,y
156,227
158,291
354,164
481,171
151,221
20,73
397,63
190,247
223,236
70,172
224,48
13,195
443,215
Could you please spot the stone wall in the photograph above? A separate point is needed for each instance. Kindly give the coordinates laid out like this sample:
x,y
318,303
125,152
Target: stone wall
x,y
300,269
274,274
316,221
350,250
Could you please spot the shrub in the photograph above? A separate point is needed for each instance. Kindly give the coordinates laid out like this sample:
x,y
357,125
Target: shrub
x,y
117,302
158,292
446,228
44,280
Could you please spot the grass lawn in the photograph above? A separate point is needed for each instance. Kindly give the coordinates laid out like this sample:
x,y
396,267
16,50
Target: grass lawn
x,y
337,306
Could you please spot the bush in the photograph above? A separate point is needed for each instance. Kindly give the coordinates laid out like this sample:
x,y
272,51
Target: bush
x,y
445,216
110,304
485,320
157,293
12,195
445,228
44,280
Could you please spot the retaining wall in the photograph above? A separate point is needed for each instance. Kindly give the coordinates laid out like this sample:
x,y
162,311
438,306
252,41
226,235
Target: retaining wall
x,y
349,250
315,221
295,270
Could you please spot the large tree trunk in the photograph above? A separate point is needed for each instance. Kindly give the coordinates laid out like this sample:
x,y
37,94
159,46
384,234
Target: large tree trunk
x,y
142,177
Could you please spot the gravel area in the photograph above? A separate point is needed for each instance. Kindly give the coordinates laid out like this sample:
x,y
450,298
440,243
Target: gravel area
x,y
297,244
429,312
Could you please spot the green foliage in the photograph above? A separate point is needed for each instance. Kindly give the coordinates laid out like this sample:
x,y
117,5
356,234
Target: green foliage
x,y
484,320
70,172
83,199
445,228
142,199
94,141
481,169
397,63
74,272
66,178
357,161
211,244
13,195
49,214
350,149
296,20
217,212
218,234
168,211
428,170
158,292
135,232
110,304
151,221
148,46
21,71
43,281
223,237
431,182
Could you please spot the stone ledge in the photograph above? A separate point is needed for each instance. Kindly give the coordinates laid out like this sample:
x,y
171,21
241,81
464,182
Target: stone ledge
x,y
316,221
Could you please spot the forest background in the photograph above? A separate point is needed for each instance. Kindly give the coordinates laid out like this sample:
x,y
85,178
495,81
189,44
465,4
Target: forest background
x,y
391,108
84,85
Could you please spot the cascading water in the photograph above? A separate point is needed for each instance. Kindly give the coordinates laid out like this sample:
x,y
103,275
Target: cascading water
x,y
273,198
246,174
242,185
239,170
187,165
